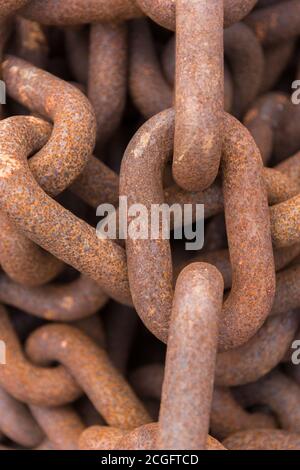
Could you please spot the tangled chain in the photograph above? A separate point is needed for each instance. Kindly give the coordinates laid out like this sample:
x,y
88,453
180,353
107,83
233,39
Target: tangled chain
x,y
158,101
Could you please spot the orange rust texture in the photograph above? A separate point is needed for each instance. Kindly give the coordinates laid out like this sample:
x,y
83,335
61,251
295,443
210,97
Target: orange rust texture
x,y
139,344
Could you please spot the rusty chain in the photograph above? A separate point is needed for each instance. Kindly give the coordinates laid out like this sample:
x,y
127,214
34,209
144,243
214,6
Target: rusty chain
x,y
137,344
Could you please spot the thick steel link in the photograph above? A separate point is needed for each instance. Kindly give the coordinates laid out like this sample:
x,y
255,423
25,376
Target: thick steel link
x,y
242,175
103,384
27,382
163,11
199,93
108,76
80,80
263,440
186,401
39,216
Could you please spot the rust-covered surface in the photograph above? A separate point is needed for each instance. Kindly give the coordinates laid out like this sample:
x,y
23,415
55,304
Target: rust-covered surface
x,y
109,343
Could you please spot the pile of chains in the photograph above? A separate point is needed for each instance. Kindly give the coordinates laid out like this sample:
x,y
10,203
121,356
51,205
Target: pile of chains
x,y
140,344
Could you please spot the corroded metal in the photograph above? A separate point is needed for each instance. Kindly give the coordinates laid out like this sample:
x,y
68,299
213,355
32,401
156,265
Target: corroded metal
x,y
162,102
